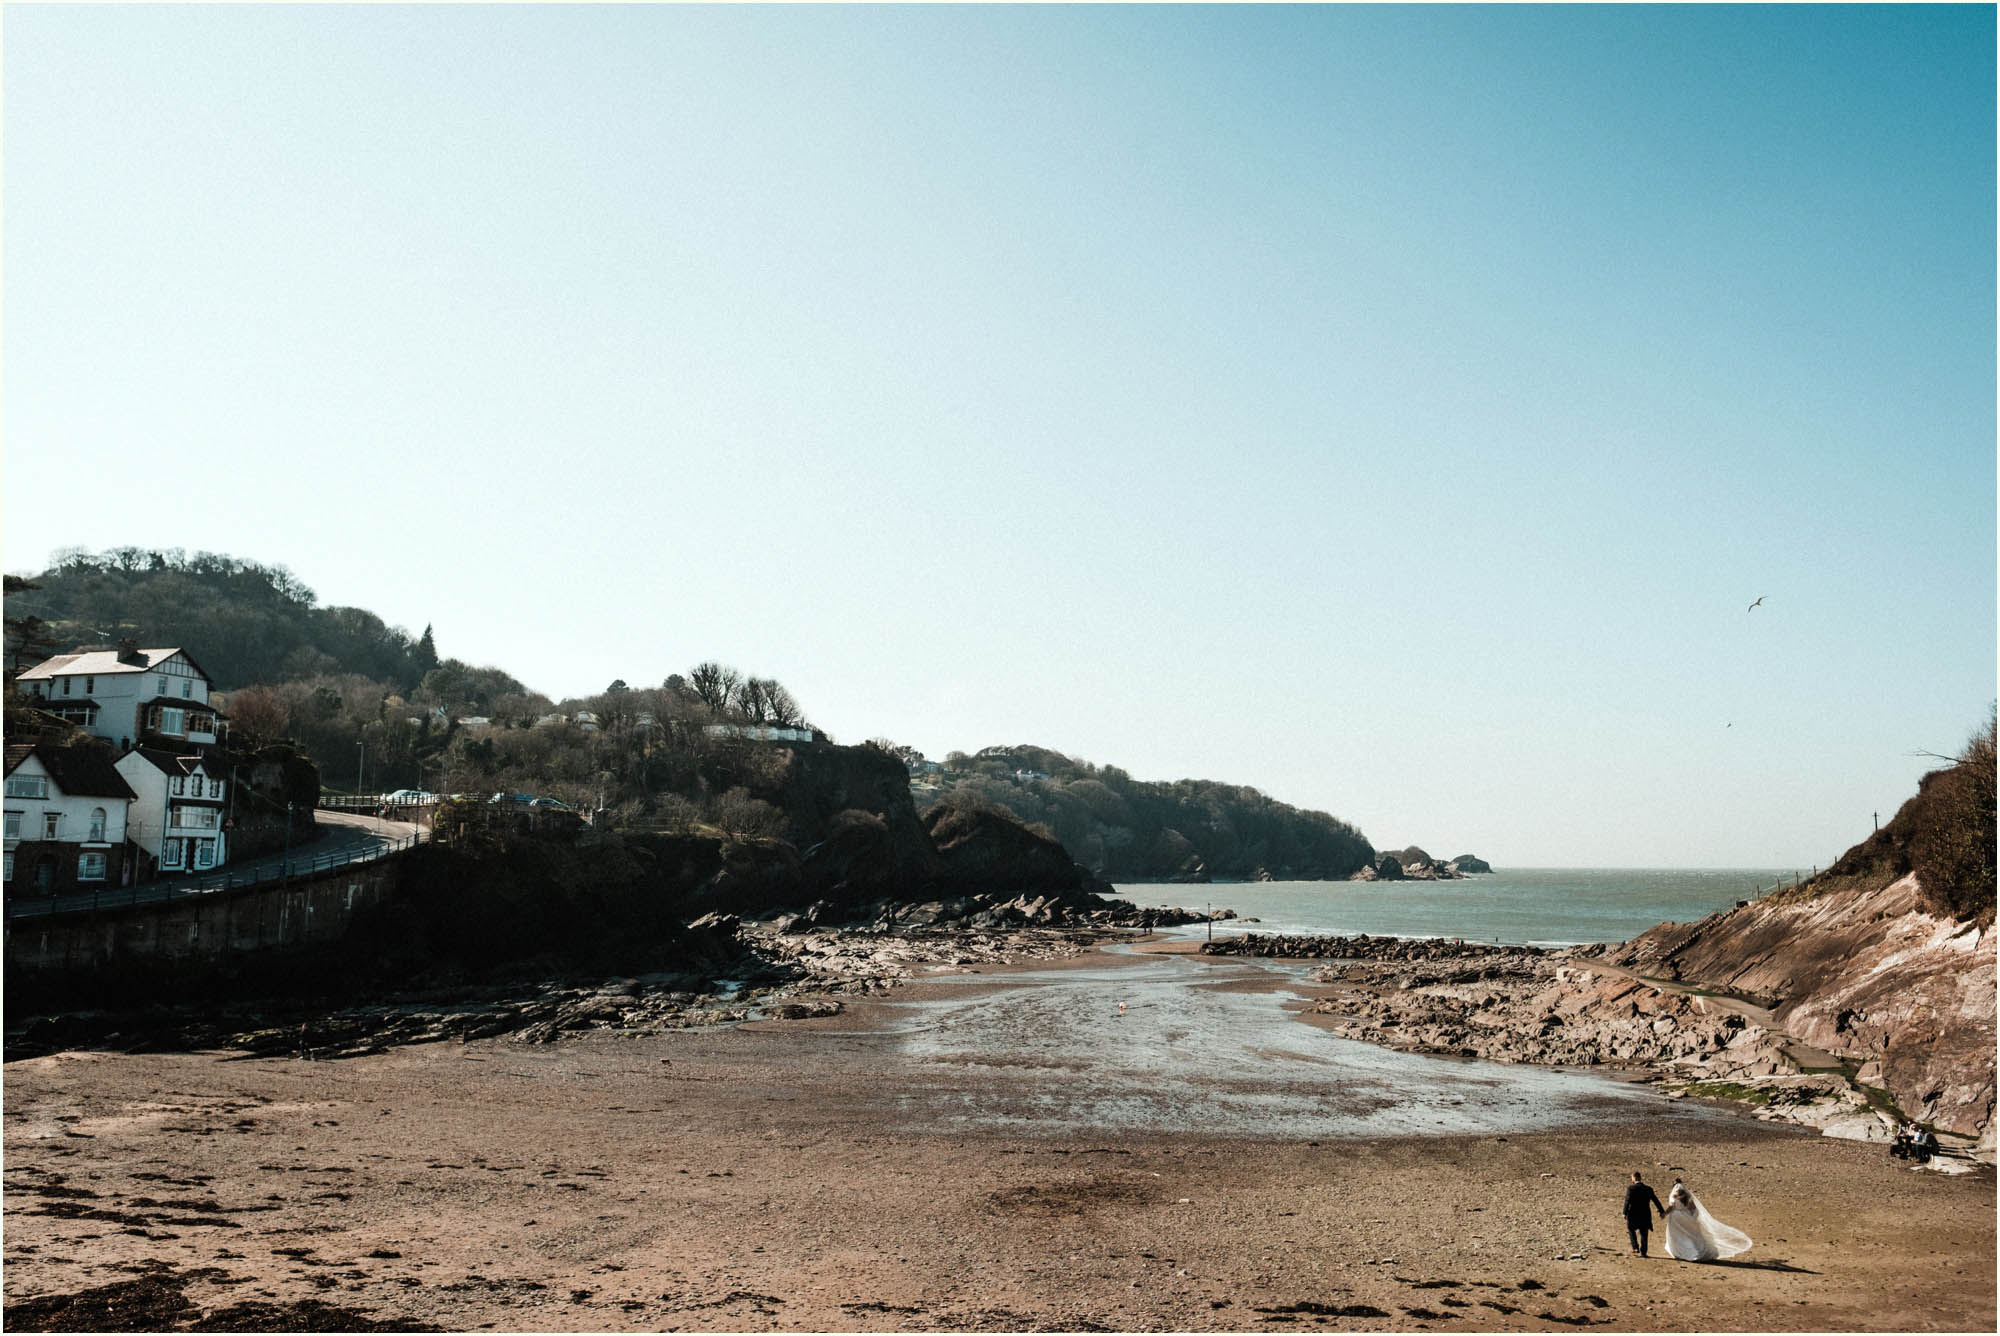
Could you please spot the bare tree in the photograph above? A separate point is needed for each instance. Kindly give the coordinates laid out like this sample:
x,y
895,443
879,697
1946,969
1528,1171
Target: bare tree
x,y
258,715
781,706
752,701
740,814
713,685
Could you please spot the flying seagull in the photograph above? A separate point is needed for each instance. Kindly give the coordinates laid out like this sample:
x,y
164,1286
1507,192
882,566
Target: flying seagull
x,y
1753,606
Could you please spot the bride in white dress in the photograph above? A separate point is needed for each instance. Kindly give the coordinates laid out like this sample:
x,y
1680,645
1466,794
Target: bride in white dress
x,y
1693,1235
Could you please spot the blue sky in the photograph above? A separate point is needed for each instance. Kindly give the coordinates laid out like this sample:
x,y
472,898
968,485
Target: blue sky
x,y
1392,408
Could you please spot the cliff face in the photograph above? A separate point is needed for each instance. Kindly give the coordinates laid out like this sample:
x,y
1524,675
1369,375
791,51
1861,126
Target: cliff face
x,y
813,786
1885,960
1870,975
849,811
985,850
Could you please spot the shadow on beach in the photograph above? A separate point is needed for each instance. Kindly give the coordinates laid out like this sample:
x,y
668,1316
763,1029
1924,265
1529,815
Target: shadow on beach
x,y
1774,1264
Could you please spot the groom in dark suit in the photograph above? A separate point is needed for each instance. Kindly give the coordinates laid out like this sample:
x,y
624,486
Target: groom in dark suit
x,y
1638,1217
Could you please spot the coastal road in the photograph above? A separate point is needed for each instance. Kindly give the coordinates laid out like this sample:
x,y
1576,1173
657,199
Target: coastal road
x,y
342,837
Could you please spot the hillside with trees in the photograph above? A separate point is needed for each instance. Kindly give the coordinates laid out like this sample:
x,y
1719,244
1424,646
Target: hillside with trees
x,y
1944,835
243,622
1124,829
377,709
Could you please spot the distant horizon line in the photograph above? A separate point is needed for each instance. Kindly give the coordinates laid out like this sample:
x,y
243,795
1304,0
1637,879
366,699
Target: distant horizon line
x,y
1796,869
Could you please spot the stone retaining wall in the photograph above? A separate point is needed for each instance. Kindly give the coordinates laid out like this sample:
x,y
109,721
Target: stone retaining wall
x,y
202,928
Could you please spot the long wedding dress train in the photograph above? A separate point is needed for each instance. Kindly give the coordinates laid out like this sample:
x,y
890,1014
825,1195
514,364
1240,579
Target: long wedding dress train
x,y
1693,1235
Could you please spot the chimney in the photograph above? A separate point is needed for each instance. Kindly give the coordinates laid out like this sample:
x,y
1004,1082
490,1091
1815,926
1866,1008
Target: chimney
x,y
128,652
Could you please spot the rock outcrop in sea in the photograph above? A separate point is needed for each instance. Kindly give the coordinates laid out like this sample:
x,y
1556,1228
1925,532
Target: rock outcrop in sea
x,y
1413,864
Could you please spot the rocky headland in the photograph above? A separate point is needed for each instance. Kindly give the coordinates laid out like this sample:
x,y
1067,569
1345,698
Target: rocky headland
x,y
1414,864
1863,996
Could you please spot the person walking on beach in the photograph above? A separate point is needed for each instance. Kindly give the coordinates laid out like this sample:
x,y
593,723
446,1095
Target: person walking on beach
x,y
1640,1203
1693,1235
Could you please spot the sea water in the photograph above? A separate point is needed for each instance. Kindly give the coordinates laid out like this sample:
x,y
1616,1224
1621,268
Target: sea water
x,y
1536,906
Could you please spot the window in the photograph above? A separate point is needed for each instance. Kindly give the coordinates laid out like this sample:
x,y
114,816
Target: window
x,y
89,686
10,869
204,853
90,867
194,818
170,721
97,825
187,687
28,786
66,684
51,823
173,853
13,826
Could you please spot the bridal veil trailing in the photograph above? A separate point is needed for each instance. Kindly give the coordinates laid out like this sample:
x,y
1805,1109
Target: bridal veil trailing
x,y
1693,1235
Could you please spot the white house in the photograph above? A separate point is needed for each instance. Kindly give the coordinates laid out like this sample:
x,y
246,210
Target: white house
x,y
766,732
180,809
128,695
66,813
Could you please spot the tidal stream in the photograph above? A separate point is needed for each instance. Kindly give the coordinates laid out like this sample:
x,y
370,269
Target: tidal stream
x,y
1209,1047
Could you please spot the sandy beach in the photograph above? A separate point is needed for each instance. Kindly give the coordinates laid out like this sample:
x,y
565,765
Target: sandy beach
x,y
857,1172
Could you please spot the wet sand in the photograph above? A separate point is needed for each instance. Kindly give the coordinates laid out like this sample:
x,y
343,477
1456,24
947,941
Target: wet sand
x,y
867,1172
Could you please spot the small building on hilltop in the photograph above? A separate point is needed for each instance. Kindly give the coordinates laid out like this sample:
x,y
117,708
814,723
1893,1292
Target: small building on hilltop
x,y
766,732
180,810
128,695
66,810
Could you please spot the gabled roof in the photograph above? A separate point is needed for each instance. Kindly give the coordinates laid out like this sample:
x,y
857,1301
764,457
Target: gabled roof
x,y
105,663
170,763
80,772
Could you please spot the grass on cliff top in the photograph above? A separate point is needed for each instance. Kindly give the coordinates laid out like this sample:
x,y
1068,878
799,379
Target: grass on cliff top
x,y
1945,834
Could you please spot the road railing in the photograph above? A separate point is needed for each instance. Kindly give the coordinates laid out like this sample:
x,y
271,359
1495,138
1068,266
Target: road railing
x,y
304,863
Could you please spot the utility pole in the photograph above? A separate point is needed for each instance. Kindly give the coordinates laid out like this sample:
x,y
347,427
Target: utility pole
x,y
360,765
